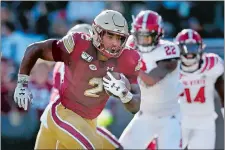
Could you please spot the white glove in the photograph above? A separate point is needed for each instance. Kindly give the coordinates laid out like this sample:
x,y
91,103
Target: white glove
x,y
22,94
117,87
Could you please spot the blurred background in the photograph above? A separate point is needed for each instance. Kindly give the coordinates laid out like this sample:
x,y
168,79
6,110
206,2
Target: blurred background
x,y
23,23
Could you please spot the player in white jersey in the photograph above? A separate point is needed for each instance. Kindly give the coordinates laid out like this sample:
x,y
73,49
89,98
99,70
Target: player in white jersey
x,y
160,88
201,73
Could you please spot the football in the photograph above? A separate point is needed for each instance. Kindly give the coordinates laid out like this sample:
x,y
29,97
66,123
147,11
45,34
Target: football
x,y
116,75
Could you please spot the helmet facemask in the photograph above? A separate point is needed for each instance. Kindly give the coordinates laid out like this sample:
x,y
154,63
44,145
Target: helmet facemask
x,y
110,22
146,41
191,54
109,52
147,28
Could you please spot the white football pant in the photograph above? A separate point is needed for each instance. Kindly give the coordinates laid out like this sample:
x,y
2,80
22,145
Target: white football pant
x,y
144,128
198,138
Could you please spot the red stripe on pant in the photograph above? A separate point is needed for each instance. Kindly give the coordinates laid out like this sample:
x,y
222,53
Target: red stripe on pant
x,y
70,129
108,135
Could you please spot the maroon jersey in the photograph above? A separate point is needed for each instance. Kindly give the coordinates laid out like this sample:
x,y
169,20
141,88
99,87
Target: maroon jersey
x,y
82,89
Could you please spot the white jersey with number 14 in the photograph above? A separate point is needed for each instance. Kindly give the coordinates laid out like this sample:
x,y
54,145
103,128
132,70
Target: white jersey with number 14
x,y
197,99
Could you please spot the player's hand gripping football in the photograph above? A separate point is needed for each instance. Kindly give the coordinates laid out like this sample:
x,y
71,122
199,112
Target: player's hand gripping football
x,y
22,95
117,87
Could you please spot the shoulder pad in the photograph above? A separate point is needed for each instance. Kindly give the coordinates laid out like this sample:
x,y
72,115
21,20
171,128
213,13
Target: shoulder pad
x,y
213,63
166,50
129,61
131,43
70,40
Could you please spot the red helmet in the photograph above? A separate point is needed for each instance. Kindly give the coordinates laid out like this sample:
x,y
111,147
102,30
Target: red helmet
x,y
147,23
190,41
191,46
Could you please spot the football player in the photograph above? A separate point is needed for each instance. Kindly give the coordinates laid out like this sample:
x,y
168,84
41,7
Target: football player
x,y
201,74
70,120
109,141
158,117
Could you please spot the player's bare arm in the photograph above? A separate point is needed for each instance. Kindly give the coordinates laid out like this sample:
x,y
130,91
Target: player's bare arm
x,y
134,105
219,85
42,50
163,68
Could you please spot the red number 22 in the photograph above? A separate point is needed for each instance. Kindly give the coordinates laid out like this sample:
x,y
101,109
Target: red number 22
x,y
170,50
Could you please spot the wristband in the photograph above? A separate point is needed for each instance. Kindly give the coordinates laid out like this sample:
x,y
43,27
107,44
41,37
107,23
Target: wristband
x,y
23,79
127,98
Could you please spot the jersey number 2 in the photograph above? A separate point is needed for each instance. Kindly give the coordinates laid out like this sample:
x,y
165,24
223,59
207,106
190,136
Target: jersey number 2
x,y
170,50
200,97
93,92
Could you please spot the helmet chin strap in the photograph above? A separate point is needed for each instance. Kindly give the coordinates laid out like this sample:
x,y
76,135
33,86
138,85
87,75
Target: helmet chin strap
x,y
190,65
191,68
145,49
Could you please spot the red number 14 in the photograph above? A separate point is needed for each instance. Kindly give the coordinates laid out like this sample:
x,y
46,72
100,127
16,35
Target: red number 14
x,y
200,97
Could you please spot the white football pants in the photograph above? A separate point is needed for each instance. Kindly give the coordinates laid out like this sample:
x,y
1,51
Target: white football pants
x,y
144,128
198,138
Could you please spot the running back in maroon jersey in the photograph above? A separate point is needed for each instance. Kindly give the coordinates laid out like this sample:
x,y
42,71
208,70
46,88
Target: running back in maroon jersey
x,y
82,89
